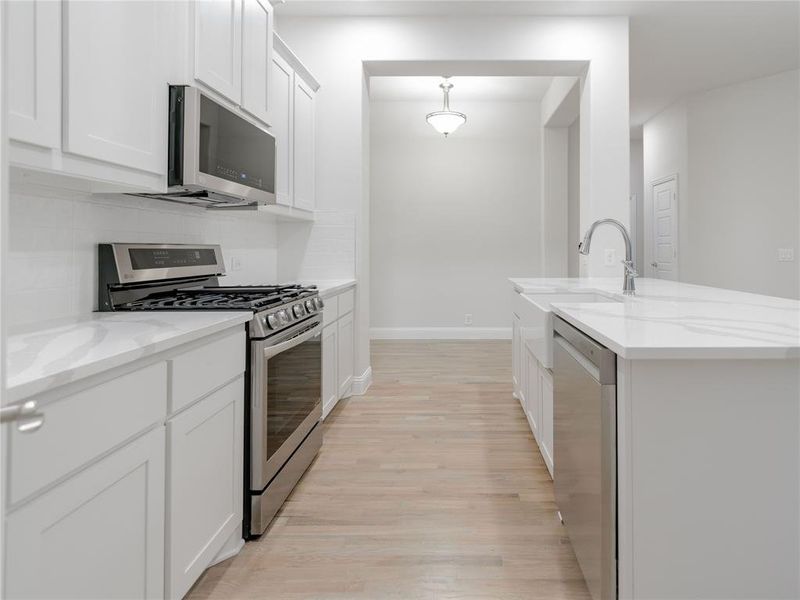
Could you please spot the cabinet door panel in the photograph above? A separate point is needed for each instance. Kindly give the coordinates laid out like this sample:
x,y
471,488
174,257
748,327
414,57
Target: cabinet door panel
x,y
281,91
546,394
100,534
205,483
533,401
115,68
345,355
303,146
330,371
257,58
515,362
33,38
218,46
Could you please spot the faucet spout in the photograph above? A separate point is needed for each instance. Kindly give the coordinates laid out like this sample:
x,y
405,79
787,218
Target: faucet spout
x,y
629,288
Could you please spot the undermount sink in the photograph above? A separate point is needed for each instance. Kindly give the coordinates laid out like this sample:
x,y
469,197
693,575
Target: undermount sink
x,y
536,320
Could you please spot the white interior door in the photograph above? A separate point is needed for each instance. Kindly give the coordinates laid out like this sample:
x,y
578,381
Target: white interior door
x,y
664,230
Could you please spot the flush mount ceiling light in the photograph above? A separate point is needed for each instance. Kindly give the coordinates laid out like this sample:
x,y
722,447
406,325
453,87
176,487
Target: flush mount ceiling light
x,y
446,121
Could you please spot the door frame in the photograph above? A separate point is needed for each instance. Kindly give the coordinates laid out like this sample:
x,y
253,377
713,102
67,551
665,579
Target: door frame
x,y
650,230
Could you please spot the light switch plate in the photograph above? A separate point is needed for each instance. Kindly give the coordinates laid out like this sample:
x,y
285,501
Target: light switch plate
x,y
610,257
785,254
236,263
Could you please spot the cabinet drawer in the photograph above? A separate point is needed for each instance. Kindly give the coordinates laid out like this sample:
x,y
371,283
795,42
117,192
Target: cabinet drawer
x,y
346,302
331,311
83,426
200,371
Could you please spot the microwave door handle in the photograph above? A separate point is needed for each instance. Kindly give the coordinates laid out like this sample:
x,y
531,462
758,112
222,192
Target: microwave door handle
x,y
271,351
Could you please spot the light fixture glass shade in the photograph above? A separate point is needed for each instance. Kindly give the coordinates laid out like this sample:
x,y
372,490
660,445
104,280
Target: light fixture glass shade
x,y
446,122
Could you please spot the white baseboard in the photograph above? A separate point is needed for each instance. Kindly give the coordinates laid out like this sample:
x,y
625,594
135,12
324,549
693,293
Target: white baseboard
x,y
362,382
440,333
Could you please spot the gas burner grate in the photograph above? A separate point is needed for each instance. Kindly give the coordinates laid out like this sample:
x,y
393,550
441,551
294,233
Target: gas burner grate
x,y
252,298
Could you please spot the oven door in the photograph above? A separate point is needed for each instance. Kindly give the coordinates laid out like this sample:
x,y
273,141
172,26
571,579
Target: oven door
x,y
286,380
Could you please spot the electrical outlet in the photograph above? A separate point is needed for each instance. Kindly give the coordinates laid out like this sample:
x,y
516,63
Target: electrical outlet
x,y
610,257
785,254
467,319
236,263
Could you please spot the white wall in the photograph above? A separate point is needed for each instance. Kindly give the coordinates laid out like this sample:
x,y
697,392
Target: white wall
x,y
51,266
335,49
573,199
735,150
452,218
637,190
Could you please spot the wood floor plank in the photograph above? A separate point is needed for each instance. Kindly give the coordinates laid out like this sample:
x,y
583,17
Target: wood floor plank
x,y
428,487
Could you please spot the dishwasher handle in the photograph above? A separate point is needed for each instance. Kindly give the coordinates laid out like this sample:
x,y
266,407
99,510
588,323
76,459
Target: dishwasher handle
x,y
603,359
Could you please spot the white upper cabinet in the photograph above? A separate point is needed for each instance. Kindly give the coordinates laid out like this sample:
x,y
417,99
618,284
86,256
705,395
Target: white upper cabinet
x,y
304,146
115,82
218,46
281,91
257,58
33,38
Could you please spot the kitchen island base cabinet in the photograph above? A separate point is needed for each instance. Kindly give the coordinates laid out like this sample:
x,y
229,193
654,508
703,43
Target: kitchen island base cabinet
x,y
709,478
205,483
99,534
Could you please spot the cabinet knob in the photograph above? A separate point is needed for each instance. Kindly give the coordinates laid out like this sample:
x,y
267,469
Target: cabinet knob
x,y
25,416
654,265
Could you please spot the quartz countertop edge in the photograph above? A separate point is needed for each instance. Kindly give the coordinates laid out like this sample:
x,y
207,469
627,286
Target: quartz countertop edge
x,y
673,320
64,351
331,287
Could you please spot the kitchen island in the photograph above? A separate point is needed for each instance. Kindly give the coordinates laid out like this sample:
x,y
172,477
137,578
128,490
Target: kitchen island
x,y
708,430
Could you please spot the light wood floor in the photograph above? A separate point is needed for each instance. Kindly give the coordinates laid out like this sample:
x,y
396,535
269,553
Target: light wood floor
x,y
429,486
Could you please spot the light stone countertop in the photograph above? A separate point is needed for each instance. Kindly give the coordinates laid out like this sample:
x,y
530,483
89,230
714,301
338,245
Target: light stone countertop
x,y
331,287
58,352
673,320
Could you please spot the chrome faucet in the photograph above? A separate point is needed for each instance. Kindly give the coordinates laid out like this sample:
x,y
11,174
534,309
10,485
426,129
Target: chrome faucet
x,y
629,288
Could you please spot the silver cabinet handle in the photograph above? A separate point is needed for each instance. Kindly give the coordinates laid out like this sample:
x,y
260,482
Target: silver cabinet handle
x,y
24,415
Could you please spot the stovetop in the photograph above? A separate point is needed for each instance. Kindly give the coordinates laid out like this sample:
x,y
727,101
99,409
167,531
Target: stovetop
x,y
247,297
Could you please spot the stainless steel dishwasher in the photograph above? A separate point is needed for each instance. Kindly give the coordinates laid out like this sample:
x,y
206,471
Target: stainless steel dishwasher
x,y
585,453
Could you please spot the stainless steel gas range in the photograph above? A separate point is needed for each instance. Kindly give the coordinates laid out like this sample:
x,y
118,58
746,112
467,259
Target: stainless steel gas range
x,y
282,407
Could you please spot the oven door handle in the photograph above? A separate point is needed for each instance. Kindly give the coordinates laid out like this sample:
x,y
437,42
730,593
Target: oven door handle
x,y
271,351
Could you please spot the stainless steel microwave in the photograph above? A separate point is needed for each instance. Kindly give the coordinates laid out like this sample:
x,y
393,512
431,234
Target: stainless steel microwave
x,y
216,158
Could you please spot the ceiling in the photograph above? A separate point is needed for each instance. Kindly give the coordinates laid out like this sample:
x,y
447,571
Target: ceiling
x,y
677,47
464,88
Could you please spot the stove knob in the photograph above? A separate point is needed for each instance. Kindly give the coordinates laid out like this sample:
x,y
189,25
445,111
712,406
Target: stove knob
x,y
298,310
283,317
319,303
310,306
273,321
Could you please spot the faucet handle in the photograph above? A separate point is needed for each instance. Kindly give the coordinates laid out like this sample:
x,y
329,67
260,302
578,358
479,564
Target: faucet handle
x,y
628,264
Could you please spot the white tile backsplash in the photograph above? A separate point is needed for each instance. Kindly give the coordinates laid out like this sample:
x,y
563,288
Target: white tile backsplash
x,y
53,237
324,249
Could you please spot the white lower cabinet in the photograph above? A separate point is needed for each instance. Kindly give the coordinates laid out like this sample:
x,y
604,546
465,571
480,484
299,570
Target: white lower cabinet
x,y
515,354
99,534
338,349
330,386
345,352
533,405
204,483
546,423
113,497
